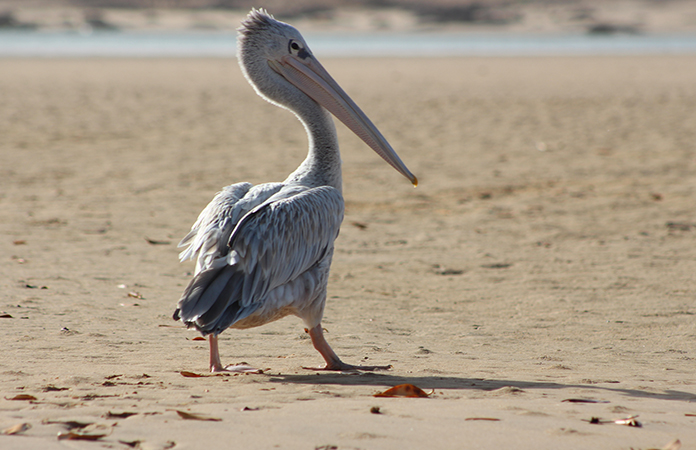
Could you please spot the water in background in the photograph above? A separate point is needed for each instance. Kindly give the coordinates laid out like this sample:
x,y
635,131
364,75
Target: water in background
x,y
216,44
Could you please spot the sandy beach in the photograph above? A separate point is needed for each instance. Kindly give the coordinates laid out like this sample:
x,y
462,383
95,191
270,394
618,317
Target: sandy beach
x,y
547,256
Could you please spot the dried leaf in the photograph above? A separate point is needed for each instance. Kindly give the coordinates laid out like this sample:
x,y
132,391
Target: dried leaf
x,y
681,226
91,432
375,410
19,428
89,397
492,419
155,242
111,377
198,338
133,444
123,415
75,436
23,397
19,242
403,390
191,374
199,375
192,416
69,424
53,388
583,400
134,294
496,266
4,315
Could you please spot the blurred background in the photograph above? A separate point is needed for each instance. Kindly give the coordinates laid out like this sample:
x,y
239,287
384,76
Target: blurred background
x,y
350,28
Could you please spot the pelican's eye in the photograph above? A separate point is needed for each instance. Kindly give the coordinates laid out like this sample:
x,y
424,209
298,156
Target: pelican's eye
x,y
294,48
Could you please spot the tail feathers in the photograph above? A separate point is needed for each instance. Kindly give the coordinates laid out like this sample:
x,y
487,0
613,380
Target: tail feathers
x,y
203,290
212,301
226,299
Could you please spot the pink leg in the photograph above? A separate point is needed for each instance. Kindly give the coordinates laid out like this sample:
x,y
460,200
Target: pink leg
x,y
333,362
216,365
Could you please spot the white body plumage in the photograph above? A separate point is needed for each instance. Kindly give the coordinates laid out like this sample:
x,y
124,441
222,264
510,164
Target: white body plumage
x,y
263,252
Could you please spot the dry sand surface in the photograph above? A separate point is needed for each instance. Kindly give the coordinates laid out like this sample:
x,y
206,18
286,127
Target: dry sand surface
x,y
548,254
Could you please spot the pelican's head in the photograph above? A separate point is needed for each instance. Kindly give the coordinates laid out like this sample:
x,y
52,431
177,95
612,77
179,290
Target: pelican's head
x,y
263,42
277,61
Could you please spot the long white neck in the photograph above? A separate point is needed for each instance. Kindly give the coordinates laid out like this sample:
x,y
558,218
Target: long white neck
x,y
322,167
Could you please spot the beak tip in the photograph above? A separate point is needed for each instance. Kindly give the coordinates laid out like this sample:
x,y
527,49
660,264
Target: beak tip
x,y
414,181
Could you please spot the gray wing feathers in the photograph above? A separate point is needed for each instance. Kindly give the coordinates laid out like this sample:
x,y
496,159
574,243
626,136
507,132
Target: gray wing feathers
x,y
208,237
206,231
272,244
278,241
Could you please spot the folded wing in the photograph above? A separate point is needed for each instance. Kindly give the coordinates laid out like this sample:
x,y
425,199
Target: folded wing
x,y
271,245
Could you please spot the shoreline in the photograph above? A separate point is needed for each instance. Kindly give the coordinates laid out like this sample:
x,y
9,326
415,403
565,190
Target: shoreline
x,y
197,44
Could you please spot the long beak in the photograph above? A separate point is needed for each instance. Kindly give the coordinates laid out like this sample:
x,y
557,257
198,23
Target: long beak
x,y
311,78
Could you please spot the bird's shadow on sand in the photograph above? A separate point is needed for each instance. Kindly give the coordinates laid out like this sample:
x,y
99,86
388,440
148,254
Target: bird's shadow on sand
x,y
455,383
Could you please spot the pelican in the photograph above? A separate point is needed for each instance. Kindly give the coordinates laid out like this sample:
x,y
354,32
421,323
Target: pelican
x,y
264,252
